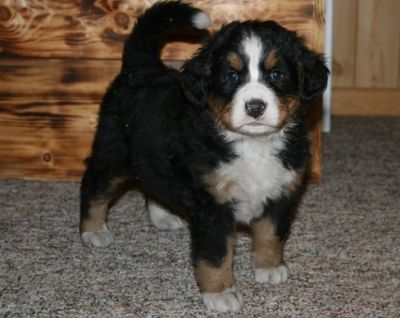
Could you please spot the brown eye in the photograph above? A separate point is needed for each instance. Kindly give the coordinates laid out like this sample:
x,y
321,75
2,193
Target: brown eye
x,y
232,76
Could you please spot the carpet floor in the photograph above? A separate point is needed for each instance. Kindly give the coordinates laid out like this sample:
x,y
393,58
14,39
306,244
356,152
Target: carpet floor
x,y
343,253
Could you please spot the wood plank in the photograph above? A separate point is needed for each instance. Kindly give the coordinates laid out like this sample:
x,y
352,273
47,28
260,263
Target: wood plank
x,y
315,122
97,29
366,102
315,133
318,26
47,139
344,39
378,44
48,114
398,71
52,78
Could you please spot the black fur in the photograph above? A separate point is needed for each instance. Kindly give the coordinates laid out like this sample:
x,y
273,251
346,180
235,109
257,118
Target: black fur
x,y
156,129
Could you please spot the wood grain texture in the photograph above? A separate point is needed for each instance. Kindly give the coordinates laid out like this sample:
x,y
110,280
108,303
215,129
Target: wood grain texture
x,y
97,29
369,102
315,126
378,44
344,39
52,78
318,26
47,139
315,123
48,114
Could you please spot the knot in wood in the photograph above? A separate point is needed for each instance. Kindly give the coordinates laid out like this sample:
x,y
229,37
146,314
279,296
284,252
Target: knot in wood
x,y
47,157
5,13
122,20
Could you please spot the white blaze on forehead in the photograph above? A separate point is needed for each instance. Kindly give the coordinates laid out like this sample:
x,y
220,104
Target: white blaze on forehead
x,y
252,47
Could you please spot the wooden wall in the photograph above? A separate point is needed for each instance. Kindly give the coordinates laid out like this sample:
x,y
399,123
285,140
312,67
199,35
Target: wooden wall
x,y
57,58
366,57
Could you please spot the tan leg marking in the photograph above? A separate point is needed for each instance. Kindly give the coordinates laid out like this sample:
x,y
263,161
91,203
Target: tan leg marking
x,y
267,248
98,210
212,279
97,216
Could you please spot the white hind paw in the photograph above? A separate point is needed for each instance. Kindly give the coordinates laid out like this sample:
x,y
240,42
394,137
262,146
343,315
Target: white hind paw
x,y
100,238
163,219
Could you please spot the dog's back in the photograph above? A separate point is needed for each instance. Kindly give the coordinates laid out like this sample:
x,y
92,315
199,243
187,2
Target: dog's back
x,y
144,100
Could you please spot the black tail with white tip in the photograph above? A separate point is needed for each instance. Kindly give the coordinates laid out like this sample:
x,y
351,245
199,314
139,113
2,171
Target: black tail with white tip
x,y
146,39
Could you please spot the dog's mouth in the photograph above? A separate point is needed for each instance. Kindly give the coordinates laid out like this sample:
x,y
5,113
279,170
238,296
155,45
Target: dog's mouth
x,y
256,124
259,122
256,128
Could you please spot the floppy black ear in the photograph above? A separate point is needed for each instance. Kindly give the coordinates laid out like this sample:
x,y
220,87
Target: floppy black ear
x,y
195,78
196,73
313,75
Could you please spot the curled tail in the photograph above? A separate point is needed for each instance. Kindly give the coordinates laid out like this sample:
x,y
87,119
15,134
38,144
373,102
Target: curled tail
x,y
145,41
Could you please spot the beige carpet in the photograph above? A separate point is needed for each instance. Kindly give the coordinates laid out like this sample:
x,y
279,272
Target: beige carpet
x,y
343,254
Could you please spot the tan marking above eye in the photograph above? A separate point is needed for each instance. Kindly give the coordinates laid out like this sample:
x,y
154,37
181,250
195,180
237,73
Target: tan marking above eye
x,y
235,61
271,60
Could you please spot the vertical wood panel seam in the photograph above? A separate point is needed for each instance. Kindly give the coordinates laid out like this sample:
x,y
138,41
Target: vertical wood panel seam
x,y
355,51
345,37
398,48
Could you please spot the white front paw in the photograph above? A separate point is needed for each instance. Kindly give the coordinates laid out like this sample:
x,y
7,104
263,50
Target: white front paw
x,y
273,275
100,238
228,300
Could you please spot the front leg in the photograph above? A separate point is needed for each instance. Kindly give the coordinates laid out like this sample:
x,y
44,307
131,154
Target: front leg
x,y
269,265
213,248
270,233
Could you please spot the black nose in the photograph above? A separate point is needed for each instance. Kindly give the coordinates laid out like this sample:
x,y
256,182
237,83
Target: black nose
x,y
255,107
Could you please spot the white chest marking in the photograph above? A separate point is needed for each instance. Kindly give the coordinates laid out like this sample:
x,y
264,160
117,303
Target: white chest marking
x,y
255,176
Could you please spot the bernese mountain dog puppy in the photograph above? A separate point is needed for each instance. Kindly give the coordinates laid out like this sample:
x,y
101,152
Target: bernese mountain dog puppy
x,y
224,139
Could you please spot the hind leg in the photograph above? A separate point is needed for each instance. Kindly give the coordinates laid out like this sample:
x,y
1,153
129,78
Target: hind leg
x,y
103,179
161,218
97,194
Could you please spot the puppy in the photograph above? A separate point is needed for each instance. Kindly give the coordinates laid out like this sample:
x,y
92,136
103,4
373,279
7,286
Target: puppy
x,y
224,139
